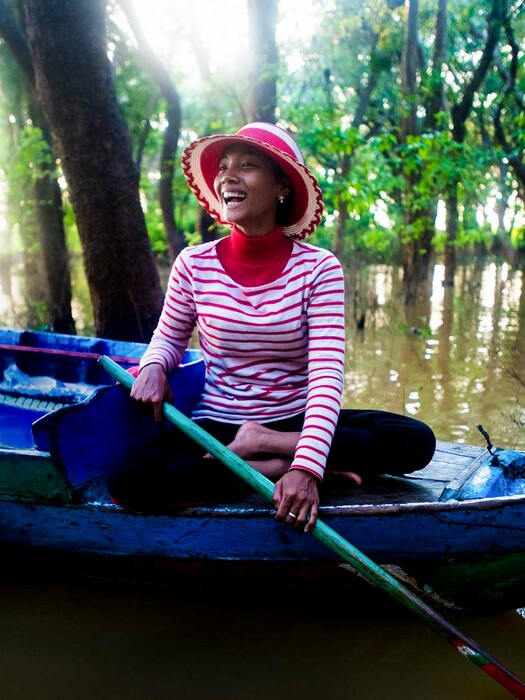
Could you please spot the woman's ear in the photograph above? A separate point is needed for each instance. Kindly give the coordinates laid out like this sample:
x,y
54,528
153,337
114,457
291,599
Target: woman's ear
x,y
284,190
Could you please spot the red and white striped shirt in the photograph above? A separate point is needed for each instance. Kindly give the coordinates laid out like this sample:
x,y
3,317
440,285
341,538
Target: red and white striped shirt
x,y
271,351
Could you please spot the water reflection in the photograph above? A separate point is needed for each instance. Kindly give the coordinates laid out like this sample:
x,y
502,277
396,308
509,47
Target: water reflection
x,y
454,361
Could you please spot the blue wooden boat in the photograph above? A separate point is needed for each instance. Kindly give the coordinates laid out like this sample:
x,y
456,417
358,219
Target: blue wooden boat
x,y
40,372
453,531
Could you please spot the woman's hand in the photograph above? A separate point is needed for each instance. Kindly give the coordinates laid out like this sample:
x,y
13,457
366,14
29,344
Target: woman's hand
x,y
151,388
296,497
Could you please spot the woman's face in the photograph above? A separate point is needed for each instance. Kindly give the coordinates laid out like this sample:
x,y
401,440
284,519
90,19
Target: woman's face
x,y
248,189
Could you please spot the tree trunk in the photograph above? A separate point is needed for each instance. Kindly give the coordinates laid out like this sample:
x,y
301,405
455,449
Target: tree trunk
x,y
54,252
460,113
461,110
47,193
75,86
262,17
417,254
436,101
417,251
174,235
34,282
409,69
452,234
207,226
511,89
365,95
342,208
52,237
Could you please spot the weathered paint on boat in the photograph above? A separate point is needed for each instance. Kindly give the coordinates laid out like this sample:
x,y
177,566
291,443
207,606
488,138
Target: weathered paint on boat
x,y
31,475
40,373
415,532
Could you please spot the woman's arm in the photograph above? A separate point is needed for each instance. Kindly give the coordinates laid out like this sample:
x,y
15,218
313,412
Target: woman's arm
x,y
297,492
326,350
177,320
169,341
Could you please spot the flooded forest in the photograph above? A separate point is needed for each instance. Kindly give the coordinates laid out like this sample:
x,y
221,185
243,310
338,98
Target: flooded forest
x,y
409,113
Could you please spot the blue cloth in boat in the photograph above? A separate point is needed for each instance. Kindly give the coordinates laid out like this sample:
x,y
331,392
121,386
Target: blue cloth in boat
x,y
171,471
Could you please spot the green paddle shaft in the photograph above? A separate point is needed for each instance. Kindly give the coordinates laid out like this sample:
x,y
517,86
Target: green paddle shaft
x,y
361,563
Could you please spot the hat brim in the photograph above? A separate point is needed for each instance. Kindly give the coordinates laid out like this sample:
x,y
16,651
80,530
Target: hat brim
x,y
200,163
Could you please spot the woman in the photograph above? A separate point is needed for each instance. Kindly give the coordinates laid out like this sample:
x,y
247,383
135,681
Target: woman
x,y
269,310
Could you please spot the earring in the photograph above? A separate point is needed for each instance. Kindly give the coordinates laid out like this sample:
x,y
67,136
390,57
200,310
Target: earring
x,y
281,198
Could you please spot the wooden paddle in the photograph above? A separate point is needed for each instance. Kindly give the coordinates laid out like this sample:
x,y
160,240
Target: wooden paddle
x,y
361,563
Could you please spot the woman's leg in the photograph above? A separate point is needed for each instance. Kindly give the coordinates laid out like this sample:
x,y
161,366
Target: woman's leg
x,y
256,439
379,442
365,443
172,471
271,450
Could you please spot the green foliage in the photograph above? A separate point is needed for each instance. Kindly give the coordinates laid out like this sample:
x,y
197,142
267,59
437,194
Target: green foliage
x,y
351,138
34,156
29,159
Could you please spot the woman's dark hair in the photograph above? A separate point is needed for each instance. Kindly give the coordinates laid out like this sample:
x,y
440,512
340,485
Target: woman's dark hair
x,y
284,210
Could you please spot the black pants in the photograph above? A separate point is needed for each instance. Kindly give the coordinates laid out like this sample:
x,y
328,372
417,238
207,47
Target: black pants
x,y
172,471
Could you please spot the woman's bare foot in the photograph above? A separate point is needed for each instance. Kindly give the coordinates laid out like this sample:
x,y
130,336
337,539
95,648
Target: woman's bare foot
x,y
246,440
254,439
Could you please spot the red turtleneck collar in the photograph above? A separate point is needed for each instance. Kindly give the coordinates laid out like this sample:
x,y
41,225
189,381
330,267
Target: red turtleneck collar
x,y
254,261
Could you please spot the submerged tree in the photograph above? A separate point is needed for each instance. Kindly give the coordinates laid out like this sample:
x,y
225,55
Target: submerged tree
x,y
509,112
75,87
46,195
460,112
416,244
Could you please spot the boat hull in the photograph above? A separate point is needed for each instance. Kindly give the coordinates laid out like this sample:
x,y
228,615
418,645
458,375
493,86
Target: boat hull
x,y
237,532
459,553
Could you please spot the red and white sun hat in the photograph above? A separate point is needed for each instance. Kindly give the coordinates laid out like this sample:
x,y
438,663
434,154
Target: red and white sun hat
x,y
200,164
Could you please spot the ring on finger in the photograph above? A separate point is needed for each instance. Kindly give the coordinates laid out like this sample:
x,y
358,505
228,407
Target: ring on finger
x,y
292,515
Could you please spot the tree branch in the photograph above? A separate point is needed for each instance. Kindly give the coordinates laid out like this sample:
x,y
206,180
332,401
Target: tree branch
x,y
461,110
171,135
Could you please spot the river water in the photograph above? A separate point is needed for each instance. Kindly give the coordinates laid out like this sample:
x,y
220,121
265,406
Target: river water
x,y
456,363
88,638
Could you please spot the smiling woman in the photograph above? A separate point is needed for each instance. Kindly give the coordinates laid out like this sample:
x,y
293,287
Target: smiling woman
x,y
273,380
269,310
247,186
301,197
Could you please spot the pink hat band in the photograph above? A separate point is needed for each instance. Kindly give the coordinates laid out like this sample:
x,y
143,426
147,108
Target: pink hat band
x,y
273,136
200,162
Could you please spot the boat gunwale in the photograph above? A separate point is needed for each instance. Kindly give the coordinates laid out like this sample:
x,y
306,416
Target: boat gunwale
x,y
355,510
243,510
